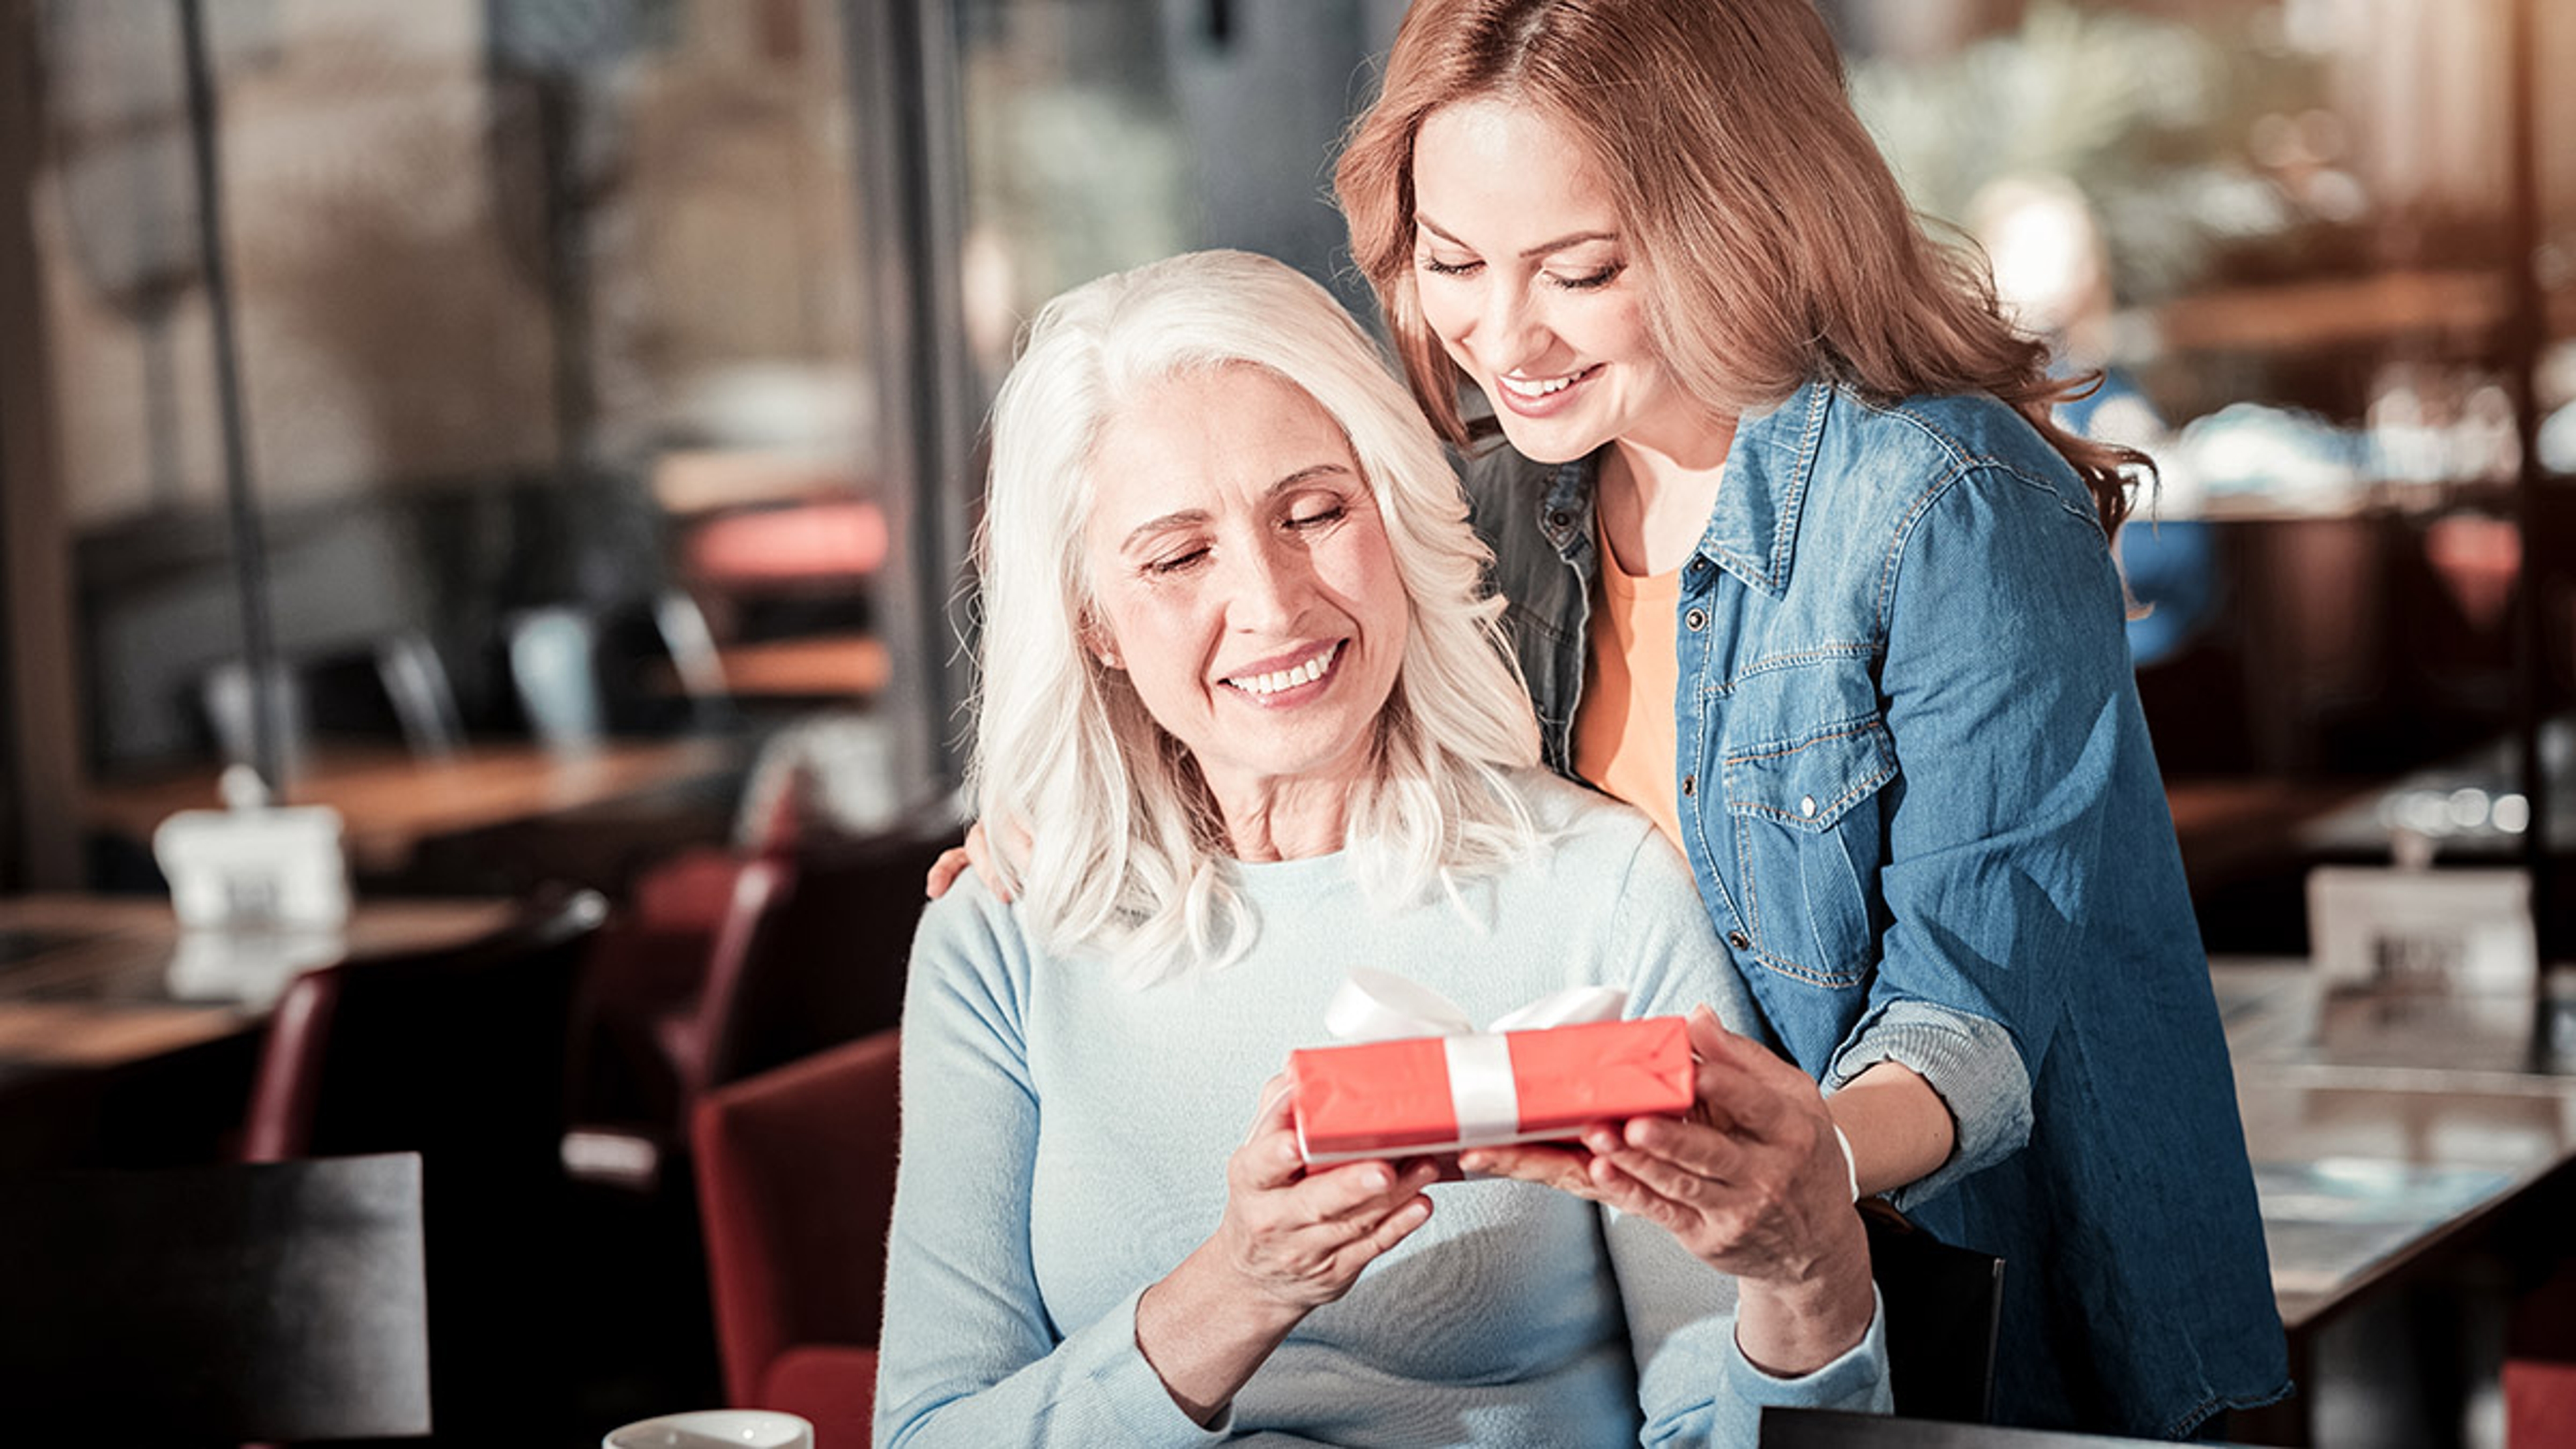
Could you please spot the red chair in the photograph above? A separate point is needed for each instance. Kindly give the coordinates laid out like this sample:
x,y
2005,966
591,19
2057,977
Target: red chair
x,y
795,1173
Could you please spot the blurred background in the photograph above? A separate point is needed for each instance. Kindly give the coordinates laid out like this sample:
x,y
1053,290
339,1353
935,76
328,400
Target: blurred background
x,y
546,432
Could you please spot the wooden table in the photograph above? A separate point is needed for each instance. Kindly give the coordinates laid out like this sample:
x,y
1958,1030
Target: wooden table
x,y
391,801
126,1042
95,982
2393,1138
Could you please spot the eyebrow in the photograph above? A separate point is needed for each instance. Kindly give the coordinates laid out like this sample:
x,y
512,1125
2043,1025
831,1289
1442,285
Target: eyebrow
x,y
1570,239
1188,516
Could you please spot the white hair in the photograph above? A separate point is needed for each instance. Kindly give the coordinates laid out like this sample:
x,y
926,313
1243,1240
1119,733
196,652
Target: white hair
x,y
1125,853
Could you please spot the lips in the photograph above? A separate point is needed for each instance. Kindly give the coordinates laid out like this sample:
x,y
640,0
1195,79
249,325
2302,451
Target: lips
x,y
1272,677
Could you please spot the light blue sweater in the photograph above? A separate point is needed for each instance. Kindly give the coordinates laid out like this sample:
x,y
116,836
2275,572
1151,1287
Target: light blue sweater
x,y
1065,1142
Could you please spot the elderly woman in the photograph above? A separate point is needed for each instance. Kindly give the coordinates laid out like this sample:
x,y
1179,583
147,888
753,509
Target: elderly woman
x,y
1244,695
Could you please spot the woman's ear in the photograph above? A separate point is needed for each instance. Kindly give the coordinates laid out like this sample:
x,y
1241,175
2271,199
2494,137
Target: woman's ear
x,y
1097,643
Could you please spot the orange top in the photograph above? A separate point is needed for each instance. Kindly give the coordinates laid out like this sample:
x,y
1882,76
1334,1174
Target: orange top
x,y
1623,727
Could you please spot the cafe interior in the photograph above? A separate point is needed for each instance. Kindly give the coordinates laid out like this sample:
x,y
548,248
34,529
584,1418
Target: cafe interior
x,y
484,495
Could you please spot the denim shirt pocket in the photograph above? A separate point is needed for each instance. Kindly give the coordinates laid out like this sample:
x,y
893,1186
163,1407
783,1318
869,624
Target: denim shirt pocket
x,y
1805,812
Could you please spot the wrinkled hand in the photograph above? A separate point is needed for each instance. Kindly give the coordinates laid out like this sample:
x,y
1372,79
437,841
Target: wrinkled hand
x,y
1752,1182
1298,1238
977,854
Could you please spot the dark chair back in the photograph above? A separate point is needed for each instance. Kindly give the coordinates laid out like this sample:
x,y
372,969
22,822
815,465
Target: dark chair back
x,y
458,1055
1824,1429
795,1171
458,1051
1943,1305
214,1305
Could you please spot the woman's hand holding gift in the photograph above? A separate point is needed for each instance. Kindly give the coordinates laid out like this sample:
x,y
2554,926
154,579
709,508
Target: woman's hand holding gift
x,y
1753,1183
1291,1241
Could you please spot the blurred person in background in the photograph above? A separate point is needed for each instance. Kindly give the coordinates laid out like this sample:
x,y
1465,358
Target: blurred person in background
x,y
2052,271
1242,694
1800,560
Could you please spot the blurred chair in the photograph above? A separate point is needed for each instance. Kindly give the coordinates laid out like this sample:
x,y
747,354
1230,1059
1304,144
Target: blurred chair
x,y
555,670
2540,1361
730,961
424,702
281,1301
1824,1429
394,684
795,1172
458,1055
1943,1305
456,1050
645,666
700,1039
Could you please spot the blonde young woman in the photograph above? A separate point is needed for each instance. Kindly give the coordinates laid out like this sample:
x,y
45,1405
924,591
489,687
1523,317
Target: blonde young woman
x,y
1239,684
1797,563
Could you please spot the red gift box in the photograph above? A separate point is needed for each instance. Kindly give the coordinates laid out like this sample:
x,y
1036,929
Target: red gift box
x,y
1441,1093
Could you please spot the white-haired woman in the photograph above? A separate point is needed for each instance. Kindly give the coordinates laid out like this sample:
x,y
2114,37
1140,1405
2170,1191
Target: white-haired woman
x,y
1243,695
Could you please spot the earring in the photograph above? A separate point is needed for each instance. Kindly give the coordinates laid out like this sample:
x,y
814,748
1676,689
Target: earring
x,y
1110,661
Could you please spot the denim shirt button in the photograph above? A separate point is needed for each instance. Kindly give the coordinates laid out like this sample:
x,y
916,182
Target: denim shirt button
x,y
1560,519
1697,619
1739,940
1807,806
1690,786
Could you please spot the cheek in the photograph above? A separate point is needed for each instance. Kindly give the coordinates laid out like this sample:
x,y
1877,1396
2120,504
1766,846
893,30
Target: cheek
x,y
1623,333
1364,577
1448,309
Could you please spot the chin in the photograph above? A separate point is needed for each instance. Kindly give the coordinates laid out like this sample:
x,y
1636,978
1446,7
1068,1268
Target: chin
x,y
1548,445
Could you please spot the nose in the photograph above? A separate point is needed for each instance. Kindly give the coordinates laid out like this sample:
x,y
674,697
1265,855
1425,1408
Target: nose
x,y
1513,334
1269,586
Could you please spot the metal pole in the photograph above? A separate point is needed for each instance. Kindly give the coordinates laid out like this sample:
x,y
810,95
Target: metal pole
x,y
2522,343
903,80
250,552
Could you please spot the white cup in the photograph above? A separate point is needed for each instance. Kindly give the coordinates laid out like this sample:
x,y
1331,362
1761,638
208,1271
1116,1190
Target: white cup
x,y
715,1429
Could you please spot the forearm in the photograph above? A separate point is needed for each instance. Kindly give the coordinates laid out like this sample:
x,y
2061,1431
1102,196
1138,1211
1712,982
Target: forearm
x,y
1899,1128
1204,1337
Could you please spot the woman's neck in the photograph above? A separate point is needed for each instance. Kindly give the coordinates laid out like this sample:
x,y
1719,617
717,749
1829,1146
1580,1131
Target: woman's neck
x,y
1655,500
1284,820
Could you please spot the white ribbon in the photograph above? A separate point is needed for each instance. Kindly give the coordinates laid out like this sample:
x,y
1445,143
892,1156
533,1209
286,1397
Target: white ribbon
x,y
1376,1005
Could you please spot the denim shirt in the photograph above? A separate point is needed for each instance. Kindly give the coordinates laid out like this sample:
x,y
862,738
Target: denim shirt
x,y
1917,793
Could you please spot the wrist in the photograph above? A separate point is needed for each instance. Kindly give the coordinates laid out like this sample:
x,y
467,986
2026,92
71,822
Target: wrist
x,y
1796,1323
1203,1332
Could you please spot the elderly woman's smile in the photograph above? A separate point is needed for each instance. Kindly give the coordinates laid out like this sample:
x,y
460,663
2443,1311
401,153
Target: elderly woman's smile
x,y
1242,580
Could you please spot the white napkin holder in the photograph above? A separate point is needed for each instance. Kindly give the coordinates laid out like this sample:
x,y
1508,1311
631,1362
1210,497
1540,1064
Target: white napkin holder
x,y
253,864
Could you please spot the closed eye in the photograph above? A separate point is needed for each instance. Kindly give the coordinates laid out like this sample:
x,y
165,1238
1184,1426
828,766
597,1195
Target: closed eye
x,y
1174,563
1320,518
1590,281
1439,268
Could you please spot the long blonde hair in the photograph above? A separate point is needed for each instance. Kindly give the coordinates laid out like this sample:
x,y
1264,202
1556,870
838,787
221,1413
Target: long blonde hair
x,y
1127,857
1777,246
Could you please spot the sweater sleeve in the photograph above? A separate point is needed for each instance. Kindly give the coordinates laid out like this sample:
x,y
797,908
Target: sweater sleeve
x,y
970,1354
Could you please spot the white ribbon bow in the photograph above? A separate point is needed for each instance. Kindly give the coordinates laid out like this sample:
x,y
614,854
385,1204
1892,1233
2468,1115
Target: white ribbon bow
x,y
1376,1005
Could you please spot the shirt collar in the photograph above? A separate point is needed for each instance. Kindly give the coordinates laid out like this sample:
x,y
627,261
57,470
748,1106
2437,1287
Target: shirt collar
x,y
1753,530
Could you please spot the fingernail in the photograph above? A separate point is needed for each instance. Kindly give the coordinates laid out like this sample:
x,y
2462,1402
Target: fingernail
x,y
1374,1180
